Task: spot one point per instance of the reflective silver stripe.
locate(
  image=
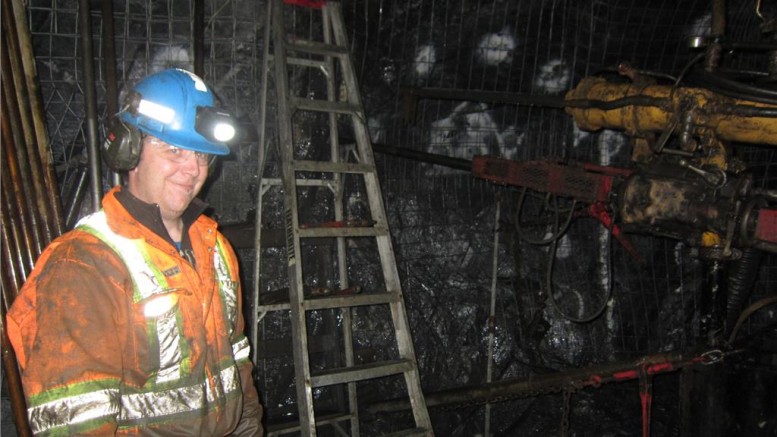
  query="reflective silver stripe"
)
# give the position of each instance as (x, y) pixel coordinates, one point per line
(73, 410)
(169, 348)
(241, 349)
(179, 400)
(227, 286)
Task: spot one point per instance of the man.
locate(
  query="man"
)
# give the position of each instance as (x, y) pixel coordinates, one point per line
(131, 323)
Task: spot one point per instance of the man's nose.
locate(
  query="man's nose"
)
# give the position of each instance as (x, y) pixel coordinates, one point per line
(191, 164)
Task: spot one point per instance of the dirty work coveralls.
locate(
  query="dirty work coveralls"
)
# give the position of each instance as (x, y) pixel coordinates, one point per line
(117, 332)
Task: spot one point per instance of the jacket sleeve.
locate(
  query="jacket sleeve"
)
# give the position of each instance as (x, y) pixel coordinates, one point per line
(64, 327)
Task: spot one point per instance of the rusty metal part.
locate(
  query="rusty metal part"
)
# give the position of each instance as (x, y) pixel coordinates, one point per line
(538, 385)
(651, 109)
(698, 205)
(15, 163)
(17, 10)
(31, 214)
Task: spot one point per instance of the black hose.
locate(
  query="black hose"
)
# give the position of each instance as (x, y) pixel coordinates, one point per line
(732, 88)
(744, 272)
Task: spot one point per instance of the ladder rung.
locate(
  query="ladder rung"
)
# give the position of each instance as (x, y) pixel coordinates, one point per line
(316, 47)
(324, 106)
(310, 63)
(345, 232)
(353, 300)
(288, 428)
(301, 182)
(333, 167)
(272, 307)
(359, 373)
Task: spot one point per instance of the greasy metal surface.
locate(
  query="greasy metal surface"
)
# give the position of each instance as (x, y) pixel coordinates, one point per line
(706, 109)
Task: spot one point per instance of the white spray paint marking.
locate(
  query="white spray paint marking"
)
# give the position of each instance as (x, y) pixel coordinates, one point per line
(610, 143)
(564, 247)
(578, 135)
(702, 26)
(495, 48)
(553, 76)
(468, 131)
(171, 56)
(425, 59)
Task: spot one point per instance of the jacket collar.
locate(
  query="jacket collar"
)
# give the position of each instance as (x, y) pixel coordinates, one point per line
(130, 211)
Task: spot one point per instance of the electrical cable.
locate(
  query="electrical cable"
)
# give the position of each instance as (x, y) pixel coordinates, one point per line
(749, 311)
(734, 89)
(557, 232)
(549, 284)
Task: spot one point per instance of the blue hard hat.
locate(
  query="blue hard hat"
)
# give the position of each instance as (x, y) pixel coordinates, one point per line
(176, 106)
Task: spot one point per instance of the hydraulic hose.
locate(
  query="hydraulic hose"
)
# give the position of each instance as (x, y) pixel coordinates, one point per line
(743, 274)
(732, 88)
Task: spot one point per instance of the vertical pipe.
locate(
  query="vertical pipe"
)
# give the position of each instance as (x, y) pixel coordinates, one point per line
(492, 316)
(109, 66)
(718, 32)
(76, 196)
(17, 116)
(87, 65)
(12, 276)
(198, 37)
(17, 165)
(36, 106)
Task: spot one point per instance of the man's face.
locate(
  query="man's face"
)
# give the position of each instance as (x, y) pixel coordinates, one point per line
(167, 176)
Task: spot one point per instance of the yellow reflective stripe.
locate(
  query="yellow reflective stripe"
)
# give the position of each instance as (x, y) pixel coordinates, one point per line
(73, 410)
(147, 279)
(159, 404)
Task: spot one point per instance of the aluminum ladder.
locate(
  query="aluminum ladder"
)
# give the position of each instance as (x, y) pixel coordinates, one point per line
(326, 57)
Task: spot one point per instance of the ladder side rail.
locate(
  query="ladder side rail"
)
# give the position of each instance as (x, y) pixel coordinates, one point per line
(388, 260)
(339, 202)
(286, 149)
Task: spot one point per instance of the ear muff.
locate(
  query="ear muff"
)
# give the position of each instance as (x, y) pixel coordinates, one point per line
(121, 149)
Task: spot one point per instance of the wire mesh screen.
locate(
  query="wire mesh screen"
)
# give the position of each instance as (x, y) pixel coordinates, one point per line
(444, 222)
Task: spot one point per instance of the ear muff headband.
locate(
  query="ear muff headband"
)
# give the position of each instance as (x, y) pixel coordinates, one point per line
(121, 149)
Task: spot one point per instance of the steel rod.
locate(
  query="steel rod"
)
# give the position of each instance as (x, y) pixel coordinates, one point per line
(55, 216)
(88, 84)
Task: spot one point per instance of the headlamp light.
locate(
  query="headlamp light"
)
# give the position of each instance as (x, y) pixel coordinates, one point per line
(215, 125)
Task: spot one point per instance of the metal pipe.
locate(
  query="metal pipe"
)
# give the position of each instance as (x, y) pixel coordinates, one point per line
(12, 277)
(714, 50)
(55, 222)
(492, 313)
(76, 196)
(198, 36)
(87, 65)
(16, 104)
(417, 155)
(501, 391)
(411, 95)
(14, 382)
(12, 248)
(25, 243)
(18, 168)
(109, 66)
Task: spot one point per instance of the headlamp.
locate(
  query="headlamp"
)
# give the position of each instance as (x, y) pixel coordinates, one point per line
(215, 125)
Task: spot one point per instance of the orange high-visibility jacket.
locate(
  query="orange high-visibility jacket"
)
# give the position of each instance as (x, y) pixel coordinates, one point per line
(117, 333)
